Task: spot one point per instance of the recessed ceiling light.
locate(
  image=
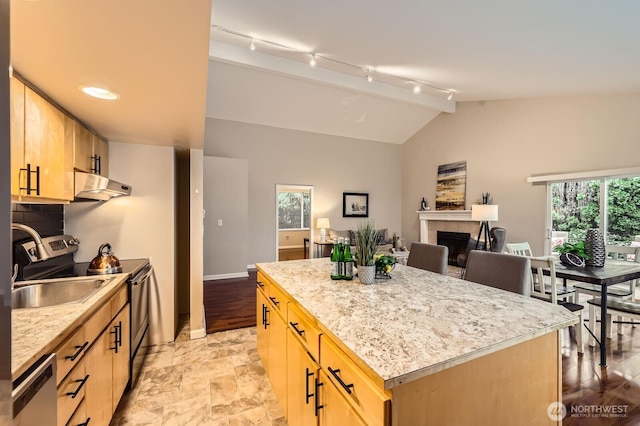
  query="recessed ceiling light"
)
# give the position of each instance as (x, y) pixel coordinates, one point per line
(99, 92)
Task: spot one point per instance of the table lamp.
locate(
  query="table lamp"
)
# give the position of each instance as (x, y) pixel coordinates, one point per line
(323, 224)
(484, 213)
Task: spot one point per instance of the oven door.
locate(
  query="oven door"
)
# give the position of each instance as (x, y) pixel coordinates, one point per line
(139, 286)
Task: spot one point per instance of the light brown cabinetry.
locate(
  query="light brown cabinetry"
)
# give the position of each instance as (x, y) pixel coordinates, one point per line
(90, 152)
(42, 153)
(272, 339)
(93, 365)
(335, 409)
(302, 376)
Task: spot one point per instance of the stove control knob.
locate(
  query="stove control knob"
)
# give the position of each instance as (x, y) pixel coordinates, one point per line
(32, 251)
(73, 242)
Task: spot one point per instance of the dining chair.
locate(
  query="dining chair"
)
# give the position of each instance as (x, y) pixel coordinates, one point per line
(519, 249)
(619, 307)
(524, 249)
(429, 257)
(621, 291)
(546, 289)
(499, 270)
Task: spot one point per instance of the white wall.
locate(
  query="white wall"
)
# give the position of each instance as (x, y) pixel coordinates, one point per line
(331, 164)
(226, 198)
(142, 225)
(196, 232)
(504, 142)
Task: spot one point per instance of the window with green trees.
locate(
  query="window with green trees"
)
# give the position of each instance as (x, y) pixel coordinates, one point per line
(580, 205)
(294, 210)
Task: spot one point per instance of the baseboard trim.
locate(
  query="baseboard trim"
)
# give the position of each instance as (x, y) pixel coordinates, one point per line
(225, 276)
(198, 334)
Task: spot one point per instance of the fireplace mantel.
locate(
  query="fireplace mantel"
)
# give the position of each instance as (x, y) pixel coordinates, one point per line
(446, 215)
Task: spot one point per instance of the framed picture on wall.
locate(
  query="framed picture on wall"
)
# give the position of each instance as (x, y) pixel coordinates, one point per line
(355, 204)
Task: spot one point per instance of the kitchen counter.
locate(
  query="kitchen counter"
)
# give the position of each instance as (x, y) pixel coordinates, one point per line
(38, 331)
(418, 323)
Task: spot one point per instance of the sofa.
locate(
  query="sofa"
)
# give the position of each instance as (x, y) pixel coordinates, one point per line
(382, 235)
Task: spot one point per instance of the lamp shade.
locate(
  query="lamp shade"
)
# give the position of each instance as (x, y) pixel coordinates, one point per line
(323, 223)
(484, 212)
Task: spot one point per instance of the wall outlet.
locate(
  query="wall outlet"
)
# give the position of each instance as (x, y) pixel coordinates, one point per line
(219, 222)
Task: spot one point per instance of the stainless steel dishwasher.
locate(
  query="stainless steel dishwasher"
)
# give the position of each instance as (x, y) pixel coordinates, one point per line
(34, 394)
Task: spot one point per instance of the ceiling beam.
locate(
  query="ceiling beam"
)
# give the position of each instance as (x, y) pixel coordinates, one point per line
(243, 56)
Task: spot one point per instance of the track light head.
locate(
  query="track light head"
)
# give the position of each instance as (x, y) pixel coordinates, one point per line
(450, 95)
(417, 89)
(312, 61)
(253, 45)
(369, 77)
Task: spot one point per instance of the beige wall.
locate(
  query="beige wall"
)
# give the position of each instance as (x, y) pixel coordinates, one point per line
(142, 225)
(331, 164)
(504, 142)
(225, 198)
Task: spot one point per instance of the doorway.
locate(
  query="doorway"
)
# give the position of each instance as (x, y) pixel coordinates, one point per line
(294, 218)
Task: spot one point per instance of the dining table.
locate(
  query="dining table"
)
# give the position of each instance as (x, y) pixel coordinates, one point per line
(613, 272)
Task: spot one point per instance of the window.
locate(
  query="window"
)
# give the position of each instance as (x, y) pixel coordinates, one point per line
(294, 210)
(611, 204)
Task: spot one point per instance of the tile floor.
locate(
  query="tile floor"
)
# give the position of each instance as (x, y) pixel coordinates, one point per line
(218, 380)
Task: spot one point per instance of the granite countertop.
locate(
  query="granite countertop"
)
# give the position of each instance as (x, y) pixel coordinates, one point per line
(38, 331)
(418, 322)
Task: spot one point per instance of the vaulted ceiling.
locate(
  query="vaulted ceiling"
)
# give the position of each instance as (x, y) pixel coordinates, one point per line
(172, 68)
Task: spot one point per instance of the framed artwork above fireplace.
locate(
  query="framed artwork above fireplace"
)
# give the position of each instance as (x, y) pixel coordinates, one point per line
(451, 186)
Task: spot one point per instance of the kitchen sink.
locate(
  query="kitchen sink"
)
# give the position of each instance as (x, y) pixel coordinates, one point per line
(55, 292)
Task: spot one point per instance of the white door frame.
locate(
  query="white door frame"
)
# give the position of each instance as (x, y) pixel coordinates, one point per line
(302, 187)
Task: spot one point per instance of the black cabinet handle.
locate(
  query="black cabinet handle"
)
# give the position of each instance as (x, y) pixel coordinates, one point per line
(260, 285)
(306, 385)
(120, 333)
(346, 387)
(85, 423)
(82, 382)
(78, 352)
(99, 165)
(316, 406)
(28, 188)
(117, 339)
(265, 316)
(94, 159)
(294, 325)
(273, 299)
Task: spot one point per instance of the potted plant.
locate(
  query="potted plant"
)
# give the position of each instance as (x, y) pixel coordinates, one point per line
(572, 254)
(366, 249)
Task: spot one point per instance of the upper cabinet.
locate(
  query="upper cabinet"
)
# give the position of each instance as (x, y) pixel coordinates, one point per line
(91, 153)
(42, 148)
(47, 145)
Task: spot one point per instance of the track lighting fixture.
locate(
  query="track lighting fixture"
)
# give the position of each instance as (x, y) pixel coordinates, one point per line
(418, 85)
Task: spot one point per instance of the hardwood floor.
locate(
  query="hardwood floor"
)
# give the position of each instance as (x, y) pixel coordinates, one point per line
(231, 304)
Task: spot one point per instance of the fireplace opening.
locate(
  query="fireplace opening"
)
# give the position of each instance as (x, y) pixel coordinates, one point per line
(456, 242)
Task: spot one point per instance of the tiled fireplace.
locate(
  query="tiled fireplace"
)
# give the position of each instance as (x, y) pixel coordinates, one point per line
(445, 220)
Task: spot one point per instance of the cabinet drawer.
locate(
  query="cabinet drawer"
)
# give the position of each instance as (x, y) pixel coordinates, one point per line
(278, 299)
(98, 322)
(71, 393)
(304, 330)
(369, 401)
(118, 301)
(70, 353)
(263, 283)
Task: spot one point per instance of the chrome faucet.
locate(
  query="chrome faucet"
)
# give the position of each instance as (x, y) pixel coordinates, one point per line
(41, 252)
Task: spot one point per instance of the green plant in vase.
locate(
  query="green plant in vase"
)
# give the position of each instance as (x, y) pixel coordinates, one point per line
(572, 254)
(366, 248)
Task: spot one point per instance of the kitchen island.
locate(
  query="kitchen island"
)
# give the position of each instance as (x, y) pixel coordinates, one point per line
(420, 348)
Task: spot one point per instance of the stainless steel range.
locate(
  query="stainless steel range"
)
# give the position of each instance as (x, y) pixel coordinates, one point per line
(59, 264)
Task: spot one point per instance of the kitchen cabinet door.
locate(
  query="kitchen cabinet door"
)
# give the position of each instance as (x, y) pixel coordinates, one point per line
(101, 153)
(278, 357)
(45, 147)
(99, 394)
(82, 148)
(262, 328)
(301, 374)
(17, 135)
(121, 324)
(335, 409)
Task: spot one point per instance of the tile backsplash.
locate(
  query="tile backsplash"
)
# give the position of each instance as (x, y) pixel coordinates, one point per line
(46, 219)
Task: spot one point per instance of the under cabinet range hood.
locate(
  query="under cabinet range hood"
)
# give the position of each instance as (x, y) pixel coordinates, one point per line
(96, 187)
